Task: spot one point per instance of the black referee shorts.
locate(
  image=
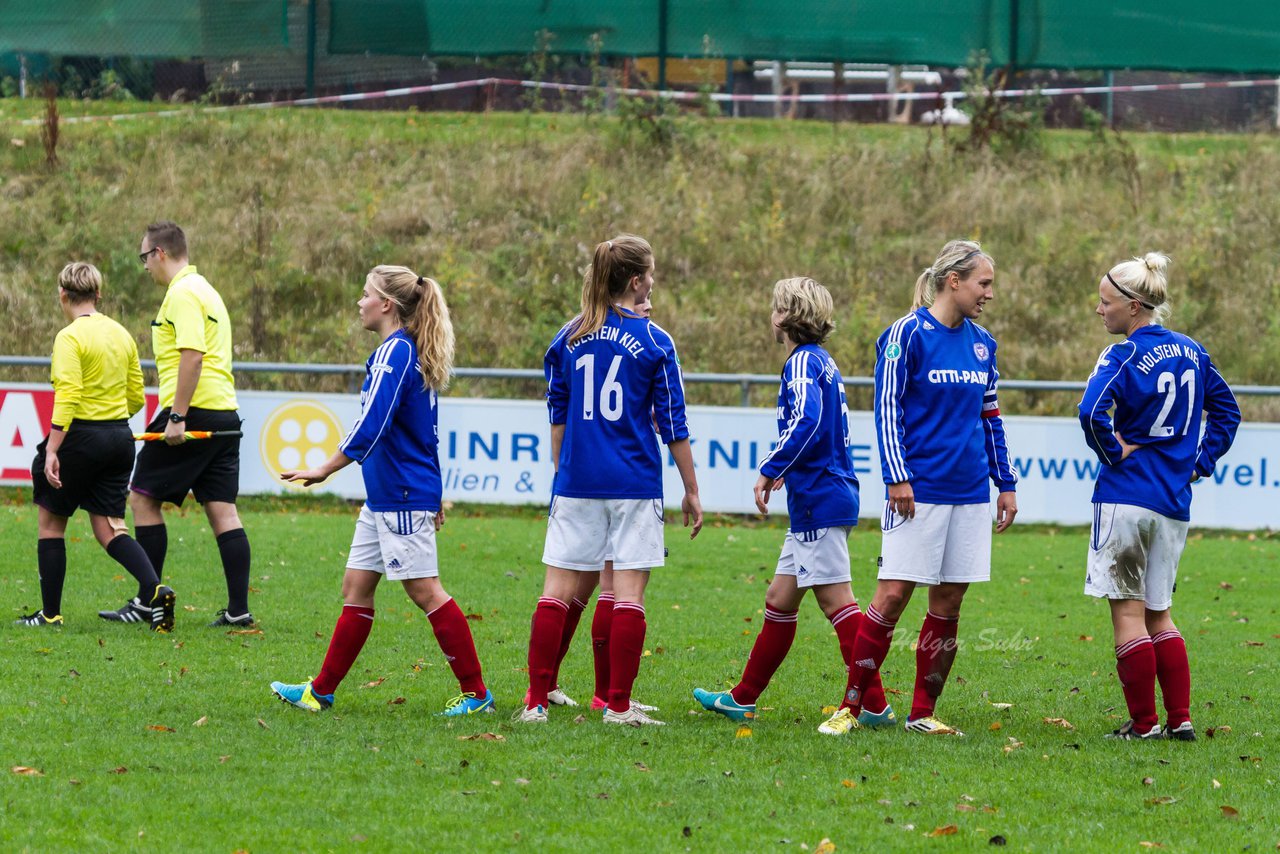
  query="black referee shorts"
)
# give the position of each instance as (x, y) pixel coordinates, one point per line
(207, 468)
(94, 464)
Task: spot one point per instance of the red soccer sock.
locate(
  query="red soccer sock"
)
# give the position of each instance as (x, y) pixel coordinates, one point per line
(847, 621)
(770, 648)
(544, 646)
(571, 618)
(601, 627)
(1174, 674)
(1136, 665)
(935, 653)
(626, 644)
(454, 636)
(349, 635)
(875, 634)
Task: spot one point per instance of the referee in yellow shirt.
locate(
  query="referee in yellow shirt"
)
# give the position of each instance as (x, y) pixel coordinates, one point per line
(86, 458)
(191, 336)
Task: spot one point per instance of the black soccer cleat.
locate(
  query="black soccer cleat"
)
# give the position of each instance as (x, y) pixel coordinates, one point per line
(238, 621)
(1128, 733)
(132, 612)
(1182, 732)
(162, 609)
(39, 619)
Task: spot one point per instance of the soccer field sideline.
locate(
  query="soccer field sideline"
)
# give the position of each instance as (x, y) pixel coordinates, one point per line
(382, 756)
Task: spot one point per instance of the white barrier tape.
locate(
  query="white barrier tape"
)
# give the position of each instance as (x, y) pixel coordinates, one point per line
(718, 97)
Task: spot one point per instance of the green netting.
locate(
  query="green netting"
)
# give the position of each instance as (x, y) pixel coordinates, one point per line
(144, 28)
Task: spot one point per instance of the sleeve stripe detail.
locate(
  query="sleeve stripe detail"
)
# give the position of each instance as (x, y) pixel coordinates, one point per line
(1093, 421)
(666, 377)
(801, 392)
(894, 376)
(380, 367)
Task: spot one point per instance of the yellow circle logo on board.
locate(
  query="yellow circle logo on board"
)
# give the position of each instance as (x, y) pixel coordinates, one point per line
(300, 434)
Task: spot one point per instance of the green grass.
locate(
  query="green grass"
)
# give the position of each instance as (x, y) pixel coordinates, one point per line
(288, 209)
(378, 774)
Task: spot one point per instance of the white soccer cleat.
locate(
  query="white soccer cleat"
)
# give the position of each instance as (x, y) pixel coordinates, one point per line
(557, 697)
(931, 726)
(631, 717)
(536, 715)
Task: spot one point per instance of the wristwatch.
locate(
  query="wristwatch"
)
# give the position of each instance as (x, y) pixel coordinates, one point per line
(177, 418)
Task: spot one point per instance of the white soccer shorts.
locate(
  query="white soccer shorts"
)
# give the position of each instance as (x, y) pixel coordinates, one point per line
(400, 544)
(816, 557)
(943, 544)
(582, 533)
(1134, 554)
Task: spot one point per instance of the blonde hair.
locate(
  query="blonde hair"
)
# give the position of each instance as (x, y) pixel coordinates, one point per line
(424, 315)
(613, 266)
(1144, 280)
(807, 309)
(81, 281)
(960, 256)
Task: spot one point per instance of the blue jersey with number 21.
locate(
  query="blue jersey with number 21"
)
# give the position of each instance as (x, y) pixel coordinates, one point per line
(608, 389)
(1160, 383)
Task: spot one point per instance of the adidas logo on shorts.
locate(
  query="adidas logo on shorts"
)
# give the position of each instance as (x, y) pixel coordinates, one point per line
(394, 563)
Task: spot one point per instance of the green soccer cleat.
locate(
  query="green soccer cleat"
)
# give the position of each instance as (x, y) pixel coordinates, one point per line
(302, 696)
(873, 720)
(39, 619)
(722, 702)
(468, 704)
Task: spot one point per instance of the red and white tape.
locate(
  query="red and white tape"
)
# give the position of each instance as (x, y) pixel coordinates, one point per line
(718, 97)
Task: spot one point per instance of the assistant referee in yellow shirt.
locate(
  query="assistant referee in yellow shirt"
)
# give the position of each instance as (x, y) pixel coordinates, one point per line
(86, 458)
(191, 336)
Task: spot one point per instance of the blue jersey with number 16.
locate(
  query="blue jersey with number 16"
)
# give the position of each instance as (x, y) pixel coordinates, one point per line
(1161, 383)
(608, 389)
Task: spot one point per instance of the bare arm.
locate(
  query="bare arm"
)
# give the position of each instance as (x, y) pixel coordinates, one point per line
(321, 473)
(691, 505)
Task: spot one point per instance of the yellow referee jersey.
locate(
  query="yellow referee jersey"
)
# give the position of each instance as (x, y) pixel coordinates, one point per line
(95, 373)
(193, 317)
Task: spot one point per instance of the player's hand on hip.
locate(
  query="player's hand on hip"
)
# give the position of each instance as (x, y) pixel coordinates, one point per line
(175, 433)
(1006, 509)
(692, 508)
(764, 486)
(307, 477)
(53, 469)
(902, 499)
(1126, 448)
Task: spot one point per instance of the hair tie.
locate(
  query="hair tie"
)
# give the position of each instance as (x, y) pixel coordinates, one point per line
(608, 245)
(1130, 294)
(420, 281)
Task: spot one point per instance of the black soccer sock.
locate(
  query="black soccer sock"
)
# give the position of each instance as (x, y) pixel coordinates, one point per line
(154, 540)
(233, 546)
(51, 558)
(126, 551)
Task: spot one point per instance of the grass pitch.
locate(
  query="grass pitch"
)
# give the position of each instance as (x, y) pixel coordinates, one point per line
(149, 742)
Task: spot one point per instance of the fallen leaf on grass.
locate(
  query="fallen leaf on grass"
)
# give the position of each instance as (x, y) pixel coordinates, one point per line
(640, 766)
(521, 781)
(160, 728)
(898, 691)
(395, 701)
(188, 607)
(1002, 706)
(580, 719)
(73, 781)
(997, 840)
(73, 673)
(602, 796)
(1225, 585)
(120, 770)
(848, 784)
(1062, 722)
(1086, 638)
(204, 719)
(263, 724)
(945, 830)
(24, 771)
(245, 632)
(743, 732)
(1148, 781)
(1229, 812)
(1163, 799)
(966, 808)
(828, 710)
(483, 736)
(476, 617)
(375, 683)
(1253, 643)
(1217, 785)
(1013, 745)
(222, 760)
(1146, 844)
(996, 725)
(826, 846)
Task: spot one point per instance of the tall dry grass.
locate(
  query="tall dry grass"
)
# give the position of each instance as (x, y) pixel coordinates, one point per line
(287, 211)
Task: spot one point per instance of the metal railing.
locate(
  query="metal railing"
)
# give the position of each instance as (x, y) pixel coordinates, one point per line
(744, 381)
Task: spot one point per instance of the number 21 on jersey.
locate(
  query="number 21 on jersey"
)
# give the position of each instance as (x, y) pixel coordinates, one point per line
(611, 393)
(1166, 385)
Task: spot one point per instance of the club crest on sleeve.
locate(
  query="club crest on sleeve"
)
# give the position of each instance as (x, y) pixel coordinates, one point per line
(892, 350)
(980, 350)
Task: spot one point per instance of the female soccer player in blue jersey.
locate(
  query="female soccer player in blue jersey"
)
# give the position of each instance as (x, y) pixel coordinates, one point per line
(395, 441)
(86, 459)
(1161, 385)
(812, 456)
(610, 373)
(941, 439)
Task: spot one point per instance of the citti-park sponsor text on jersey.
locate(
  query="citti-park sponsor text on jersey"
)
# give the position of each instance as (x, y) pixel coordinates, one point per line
(497, 451)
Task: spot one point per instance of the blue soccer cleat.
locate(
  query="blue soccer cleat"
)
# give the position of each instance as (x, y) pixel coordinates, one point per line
(723, 703)
(468, 704)
(873, 720)
(302, 696)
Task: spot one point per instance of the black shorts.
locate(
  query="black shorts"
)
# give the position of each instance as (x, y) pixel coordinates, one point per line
(207, 468)
(94, 464)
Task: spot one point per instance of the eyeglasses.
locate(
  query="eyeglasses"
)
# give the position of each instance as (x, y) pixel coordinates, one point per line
(143, 256)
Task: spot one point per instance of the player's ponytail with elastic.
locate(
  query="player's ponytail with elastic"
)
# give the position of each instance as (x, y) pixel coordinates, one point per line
(424, 315)
(960, 256)
(1145, 281)
(612, 268)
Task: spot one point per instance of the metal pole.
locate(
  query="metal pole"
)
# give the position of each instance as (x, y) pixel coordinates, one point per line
(1111, 99)
(22, 76)
(663, 8)
(311, 48)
